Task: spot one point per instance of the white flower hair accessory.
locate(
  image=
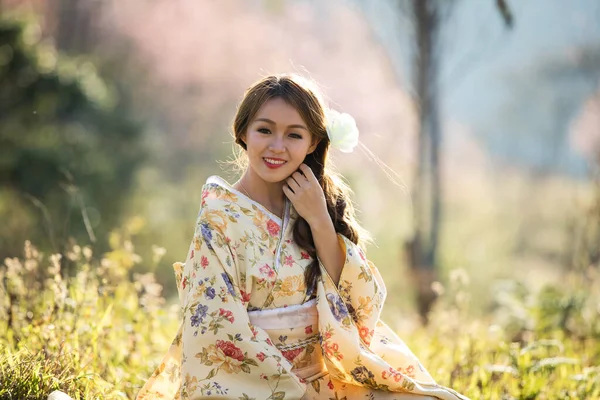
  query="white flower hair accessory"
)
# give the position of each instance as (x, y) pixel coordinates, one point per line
(342, 131)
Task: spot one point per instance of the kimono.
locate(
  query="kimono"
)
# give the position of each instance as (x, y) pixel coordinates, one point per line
(251, 330)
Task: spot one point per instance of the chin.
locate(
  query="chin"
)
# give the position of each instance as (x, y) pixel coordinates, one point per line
(275, 176)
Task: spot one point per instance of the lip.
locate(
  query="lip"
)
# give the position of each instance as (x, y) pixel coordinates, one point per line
(273, 166)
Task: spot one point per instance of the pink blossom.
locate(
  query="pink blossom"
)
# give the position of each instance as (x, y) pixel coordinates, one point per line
(228, 315)
(204, 262)
(289, 261)
(267, 271)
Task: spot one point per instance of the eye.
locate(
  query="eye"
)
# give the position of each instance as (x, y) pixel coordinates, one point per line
(296, 135)
(264, 130)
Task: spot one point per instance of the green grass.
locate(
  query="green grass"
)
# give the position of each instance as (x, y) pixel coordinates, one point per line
(97, 334)
(100, 332)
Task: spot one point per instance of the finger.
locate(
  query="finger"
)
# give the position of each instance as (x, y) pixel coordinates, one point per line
(291, 182)
(308, 173)
(299, 178)
(288, 192)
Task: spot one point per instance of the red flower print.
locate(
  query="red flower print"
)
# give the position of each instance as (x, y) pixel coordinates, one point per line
(330, 385)
(289, 261)
(273, 228)
(305, 255)
(308, 330)
(392, 373)
(263, 376)
(261, 356)
(410, 371)
(267, 271)
(333, 351)
(365, 334)
(245, 296)
(227, 314)
(290, 355)
(230, 350)
(184, 283)
(192, 254)
(204, 262)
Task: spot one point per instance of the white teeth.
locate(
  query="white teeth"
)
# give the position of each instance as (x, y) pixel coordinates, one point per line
(271, 161)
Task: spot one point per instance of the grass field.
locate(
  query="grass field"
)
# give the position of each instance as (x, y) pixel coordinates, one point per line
(100, 332)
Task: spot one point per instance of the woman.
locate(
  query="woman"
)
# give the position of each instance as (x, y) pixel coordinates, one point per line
(278, 299)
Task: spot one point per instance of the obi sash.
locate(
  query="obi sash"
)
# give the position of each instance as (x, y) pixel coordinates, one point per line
(295, 332)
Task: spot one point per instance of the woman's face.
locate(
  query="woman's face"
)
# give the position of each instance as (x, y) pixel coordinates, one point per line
(277, 141)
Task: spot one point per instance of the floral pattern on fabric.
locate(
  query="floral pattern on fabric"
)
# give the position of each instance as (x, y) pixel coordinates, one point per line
(242, 260)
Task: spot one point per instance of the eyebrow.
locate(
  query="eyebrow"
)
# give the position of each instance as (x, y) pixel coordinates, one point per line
(267, 120)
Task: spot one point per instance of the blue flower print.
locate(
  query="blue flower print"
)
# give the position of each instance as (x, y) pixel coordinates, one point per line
(337, 306)
(206, 234)
(218, 389)
(210, 293)
(199, 315)
(228, 283)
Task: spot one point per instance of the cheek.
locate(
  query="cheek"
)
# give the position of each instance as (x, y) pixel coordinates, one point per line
(253, 142)
(300, 150)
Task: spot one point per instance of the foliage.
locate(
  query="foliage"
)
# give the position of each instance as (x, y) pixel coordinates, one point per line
(90, 335)
(534, 345)
(68, 148)
(100, 333)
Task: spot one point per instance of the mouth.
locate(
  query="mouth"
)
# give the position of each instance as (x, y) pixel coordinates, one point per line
(274, 162)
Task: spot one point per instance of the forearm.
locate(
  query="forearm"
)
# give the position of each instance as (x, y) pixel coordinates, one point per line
(328, 247)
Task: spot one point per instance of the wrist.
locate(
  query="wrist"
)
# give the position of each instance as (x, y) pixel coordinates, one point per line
(321, 222)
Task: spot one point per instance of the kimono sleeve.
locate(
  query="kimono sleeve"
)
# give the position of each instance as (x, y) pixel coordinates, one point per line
(357, 347)
(223, 354)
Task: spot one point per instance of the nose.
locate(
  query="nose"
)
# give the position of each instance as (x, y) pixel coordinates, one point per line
(277, 144)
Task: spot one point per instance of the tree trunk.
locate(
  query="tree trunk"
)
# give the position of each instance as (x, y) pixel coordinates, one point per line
(421, 249)
(76, 27)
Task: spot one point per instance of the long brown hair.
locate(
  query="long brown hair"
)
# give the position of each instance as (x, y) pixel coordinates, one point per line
(305, 97)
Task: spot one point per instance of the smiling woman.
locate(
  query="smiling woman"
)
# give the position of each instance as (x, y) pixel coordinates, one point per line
(278, 298)
(276, 142)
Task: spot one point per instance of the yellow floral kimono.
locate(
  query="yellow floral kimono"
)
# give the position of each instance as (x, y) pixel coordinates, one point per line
(250, 330)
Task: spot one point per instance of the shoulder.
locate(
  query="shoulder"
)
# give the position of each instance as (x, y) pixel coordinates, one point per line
(217, 194)
(217, 210)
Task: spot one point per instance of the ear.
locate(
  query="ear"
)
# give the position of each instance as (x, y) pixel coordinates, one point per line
(313, 146)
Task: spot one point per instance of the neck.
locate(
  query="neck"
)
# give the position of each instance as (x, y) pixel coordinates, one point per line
(270, 195)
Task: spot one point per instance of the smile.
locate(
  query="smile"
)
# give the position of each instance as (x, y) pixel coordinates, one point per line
(274, 162)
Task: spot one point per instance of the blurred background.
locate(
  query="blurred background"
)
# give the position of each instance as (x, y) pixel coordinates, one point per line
(482, 118)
